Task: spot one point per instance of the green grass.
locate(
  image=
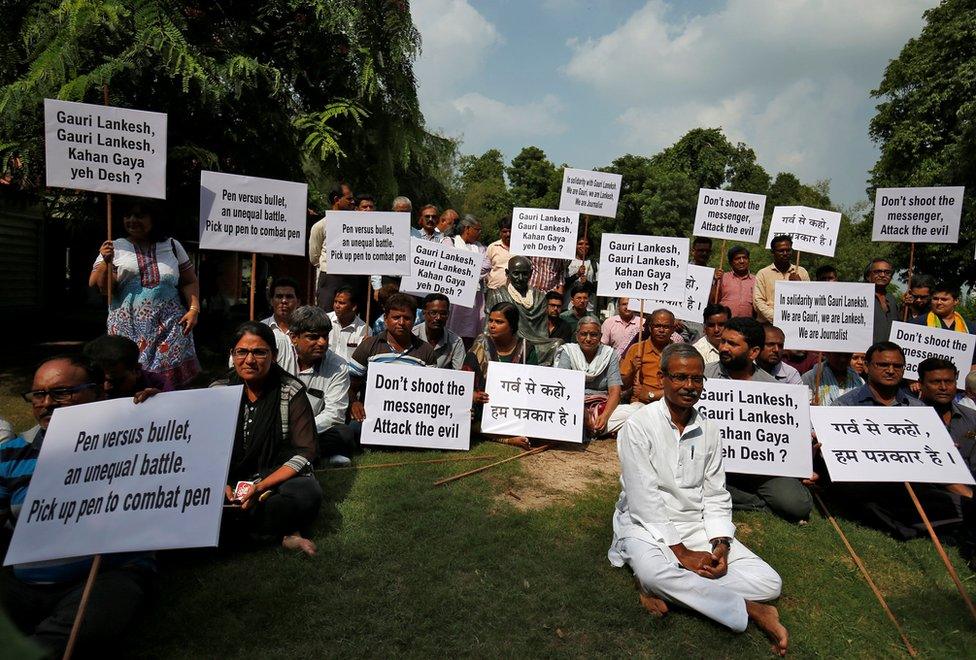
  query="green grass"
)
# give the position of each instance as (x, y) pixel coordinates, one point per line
(407, 569)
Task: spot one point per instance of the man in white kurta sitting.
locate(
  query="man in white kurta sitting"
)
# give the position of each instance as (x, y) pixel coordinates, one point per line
(673, 521)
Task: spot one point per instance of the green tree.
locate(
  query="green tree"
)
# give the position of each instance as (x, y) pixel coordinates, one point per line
(482, 189)
(534, 180)
(925, 126)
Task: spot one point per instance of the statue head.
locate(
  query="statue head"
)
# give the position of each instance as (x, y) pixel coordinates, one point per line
(519, 271)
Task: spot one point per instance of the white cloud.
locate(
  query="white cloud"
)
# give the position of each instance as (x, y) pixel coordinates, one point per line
(456, 41)
(487, 119)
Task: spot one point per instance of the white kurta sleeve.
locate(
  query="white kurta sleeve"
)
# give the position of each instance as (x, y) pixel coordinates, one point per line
(716, 501)
(644, 501)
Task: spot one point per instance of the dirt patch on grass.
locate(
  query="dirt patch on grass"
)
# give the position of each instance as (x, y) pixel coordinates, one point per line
(555, 476)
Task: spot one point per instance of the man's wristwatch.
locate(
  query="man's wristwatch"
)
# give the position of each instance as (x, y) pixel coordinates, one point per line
(722, 540)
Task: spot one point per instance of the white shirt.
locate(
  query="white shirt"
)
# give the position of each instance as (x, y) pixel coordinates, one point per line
(317, 254)
(672, 484)
(449, 350)
(343, 341)
(287, 359)
(327, 387)
(708, 352)
(966, 402)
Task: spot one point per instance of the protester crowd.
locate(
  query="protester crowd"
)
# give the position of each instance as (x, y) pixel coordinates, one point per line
(304, 372)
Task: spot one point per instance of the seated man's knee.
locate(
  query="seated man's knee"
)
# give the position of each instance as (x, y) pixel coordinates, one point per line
(787, 497)
(768, 583)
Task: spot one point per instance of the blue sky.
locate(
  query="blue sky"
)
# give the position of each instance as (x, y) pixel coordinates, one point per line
(590, 80)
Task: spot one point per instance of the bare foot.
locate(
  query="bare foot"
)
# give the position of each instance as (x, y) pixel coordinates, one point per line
(298, 542)
(767, 618)
(657, 607)
(517, 441)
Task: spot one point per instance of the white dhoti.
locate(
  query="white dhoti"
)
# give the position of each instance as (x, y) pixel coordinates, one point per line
(721, 599)
(621, 414)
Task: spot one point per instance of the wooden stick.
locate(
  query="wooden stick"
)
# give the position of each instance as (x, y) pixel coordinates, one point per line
(911, 270)
(941, 551)
(537, 450)
(640, 342)
(867, 576)
(108, 218)
(80, 614)
(254, 280)
(797, 258)
(369, 300)
(405, 463)
(586, 227)
(721, 263)
(816, 380)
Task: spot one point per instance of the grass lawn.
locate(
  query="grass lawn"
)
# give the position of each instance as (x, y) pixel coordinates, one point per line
(407, 569)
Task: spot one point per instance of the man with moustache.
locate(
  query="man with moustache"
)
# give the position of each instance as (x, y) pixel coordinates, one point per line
(558, 327)
(448, 347)
(770, 358)
(426, 229)
(284, 301)
(715, 316)
(673, 521)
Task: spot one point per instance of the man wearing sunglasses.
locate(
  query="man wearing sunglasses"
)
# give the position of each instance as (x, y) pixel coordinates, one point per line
(673, 521)
(42, 599)
(426, 229)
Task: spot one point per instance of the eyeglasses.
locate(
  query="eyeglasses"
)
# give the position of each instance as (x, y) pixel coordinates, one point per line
(884, 366)
(285, 296)
(313, 336)
(591, 335)
(882, 271)
(679, 379)
(58, 394)
(430, 217)
(258, 353)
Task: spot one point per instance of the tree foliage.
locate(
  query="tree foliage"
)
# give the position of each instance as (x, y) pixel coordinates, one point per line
(925, 126)
(534, 180)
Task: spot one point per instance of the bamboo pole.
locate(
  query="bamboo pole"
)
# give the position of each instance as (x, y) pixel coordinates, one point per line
(108, 219)
(640, 351)
(911, 271)
(941, 551)
(406, 463)
(537, 450)
(369, 300)
(721, 263)
(254, 281)
(816, 380)
(798, 258)
(82, 606)
(867, 576)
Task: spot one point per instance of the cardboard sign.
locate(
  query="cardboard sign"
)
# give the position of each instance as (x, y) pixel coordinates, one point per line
(367, 243)
(537, 402)
(408, 406)
(437, 268)
(692, 306)
(105, 149)
(114, 476)
(251, 214)
(764, 428)
(544, 233)
(917, 215)
(593, 193)
(813, 230)
(633, 266)
(825, 316)
(920, 342)
(874, 443)
(729, 215)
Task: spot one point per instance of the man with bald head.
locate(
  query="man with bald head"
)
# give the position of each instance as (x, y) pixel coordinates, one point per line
(640, 367)
(42, 599)
(531, 305)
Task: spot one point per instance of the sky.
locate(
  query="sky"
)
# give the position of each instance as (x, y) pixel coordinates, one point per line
(590, 80)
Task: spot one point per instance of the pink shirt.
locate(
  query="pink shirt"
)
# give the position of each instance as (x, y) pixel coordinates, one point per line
(619, 334)
(737, 293)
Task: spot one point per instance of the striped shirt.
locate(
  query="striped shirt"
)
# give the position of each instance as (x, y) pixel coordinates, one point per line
(548, 273)
(376, 349)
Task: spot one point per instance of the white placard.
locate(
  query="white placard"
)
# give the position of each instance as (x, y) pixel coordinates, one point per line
(825, 316)
(544, 233)
(437, 268)
(899, 443)
(920, 342)
(813, 230)
(633, 266)
(593, 193)
(105, 149)
(367, 242)
(698, 283)
(537, 402)
(409, 406)
(114, 476)
(251, 214)
(764, 428)
(917, 215)
(729, 215)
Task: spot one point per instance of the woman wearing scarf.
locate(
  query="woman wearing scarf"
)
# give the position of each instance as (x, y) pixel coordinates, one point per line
(602, 386)
(943, 314)
(274, 445)
(499, 344)
(467, 322)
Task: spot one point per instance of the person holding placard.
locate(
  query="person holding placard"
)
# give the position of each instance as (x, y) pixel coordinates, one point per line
(831, 379)
(42, 598)
(531, 305)
(499, 343)
(825, 273)
(448, 347)
(736, 285)
(879, 273)
(582, 270)
(787, 497)
(770, 357)
(548, 274)
(917, 301)
(326, 285)
(467, 322)
(558, 327)
(782, 268)
(498, 254)
(673, 521)
(326, 379)
(396, 343)
(274, 446)
(641, 367)
(715, 317)
(603, 384)
(149, 272)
